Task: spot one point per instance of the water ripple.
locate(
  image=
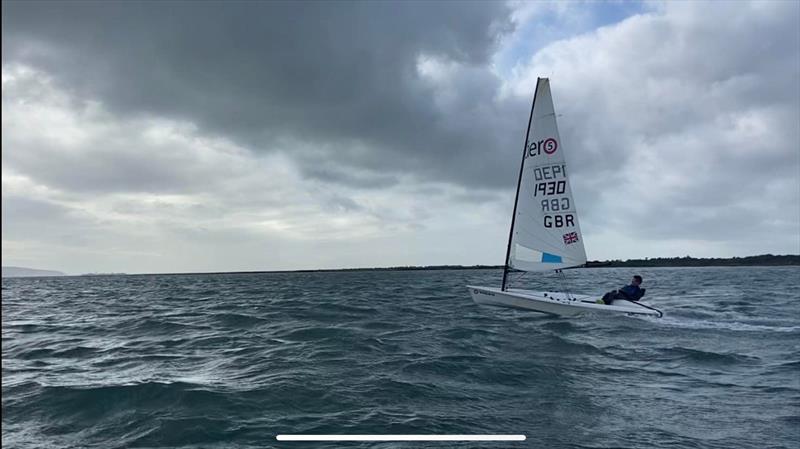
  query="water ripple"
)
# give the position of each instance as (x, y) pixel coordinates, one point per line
(231, 360)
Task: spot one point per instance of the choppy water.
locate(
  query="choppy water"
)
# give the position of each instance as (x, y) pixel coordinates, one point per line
(234, 360)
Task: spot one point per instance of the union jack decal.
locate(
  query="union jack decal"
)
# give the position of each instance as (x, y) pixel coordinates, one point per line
(570, 237)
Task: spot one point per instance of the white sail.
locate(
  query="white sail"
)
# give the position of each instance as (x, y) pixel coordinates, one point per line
(545, 234)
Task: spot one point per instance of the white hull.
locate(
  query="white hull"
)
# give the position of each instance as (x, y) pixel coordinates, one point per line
(553, 303)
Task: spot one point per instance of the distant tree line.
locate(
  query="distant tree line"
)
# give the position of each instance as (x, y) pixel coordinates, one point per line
(421, 267)
(687, 261)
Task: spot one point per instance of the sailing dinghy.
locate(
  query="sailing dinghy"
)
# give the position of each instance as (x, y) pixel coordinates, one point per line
(545, 234)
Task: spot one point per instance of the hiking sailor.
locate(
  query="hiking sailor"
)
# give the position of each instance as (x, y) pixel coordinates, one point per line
(630, 292)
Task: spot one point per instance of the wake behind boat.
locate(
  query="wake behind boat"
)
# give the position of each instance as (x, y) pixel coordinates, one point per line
(545, 233)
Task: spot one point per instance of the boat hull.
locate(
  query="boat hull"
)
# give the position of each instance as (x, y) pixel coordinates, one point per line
(553, 303)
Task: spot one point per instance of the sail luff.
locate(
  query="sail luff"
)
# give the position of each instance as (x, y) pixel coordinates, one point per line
(519, 182)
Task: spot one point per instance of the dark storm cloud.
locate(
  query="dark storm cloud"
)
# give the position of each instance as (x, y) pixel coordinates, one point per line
(335, 75)
(322, 134)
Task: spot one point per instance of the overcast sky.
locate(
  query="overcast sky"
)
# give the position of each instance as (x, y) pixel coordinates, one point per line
(200, 136)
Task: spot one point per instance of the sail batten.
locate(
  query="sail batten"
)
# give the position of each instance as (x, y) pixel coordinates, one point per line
(545, 232)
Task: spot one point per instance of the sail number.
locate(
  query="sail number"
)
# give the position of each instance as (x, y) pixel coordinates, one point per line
(550, 188)
(552, 180)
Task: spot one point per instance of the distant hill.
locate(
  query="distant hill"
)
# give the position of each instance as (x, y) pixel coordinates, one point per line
(20, 272)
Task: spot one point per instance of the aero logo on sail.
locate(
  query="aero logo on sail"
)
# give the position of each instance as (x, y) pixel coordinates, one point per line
(549, 146)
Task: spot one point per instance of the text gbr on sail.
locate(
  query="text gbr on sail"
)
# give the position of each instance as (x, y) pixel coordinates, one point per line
(559, 221)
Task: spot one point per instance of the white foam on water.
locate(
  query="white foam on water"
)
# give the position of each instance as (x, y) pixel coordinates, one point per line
(727, 325)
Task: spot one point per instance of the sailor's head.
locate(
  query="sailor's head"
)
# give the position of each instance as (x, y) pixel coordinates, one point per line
(637, 280)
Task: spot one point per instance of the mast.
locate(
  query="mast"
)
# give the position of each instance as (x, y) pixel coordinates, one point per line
(519, 182)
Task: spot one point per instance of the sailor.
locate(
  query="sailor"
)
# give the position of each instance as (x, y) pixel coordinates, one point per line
(630, 292)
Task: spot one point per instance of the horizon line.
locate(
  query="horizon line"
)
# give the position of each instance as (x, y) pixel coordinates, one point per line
(394, 268)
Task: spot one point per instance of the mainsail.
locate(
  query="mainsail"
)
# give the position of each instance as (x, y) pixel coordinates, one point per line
(545, 233)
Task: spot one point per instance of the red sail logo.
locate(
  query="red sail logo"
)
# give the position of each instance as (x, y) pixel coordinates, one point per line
(548, 146)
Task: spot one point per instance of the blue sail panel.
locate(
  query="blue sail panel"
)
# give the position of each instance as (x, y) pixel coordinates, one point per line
(550, 258)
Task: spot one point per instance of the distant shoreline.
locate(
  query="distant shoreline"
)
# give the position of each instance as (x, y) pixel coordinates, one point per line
(766, 260)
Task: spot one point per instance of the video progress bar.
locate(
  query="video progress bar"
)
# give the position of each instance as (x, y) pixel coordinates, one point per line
(400, 437)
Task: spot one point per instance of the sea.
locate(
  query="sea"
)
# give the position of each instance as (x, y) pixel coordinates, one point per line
(234, 360)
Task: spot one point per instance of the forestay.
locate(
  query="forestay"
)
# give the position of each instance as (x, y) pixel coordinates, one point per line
(545, 234)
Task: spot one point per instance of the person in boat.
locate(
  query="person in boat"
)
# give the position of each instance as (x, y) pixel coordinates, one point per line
(632, 292)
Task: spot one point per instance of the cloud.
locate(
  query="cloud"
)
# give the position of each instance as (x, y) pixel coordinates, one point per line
(301, 135)
(684, 127)
(337, 77)
(96, 192)
(78, 146)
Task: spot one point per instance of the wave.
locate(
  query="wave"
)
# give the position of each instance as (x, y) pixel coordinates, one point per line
(689, 323)
(123, 415)
(238, 320)
(790, 367)
(317, 333)
(701, 356)
(240, 358)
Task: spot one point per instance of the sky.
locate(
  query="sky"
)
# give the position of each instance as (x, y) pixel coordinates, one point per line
(147, 137)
